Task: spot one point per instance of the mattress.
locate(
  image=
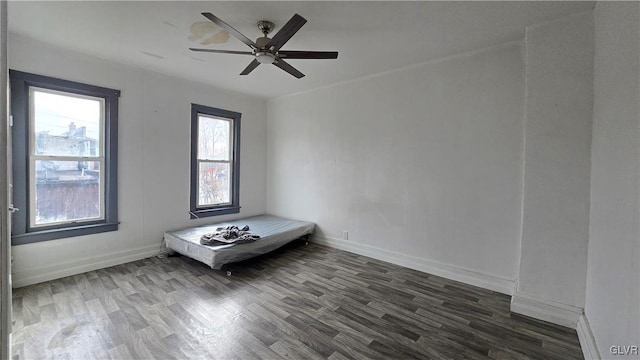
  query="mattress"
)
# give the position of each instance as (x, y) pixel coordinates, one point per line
(274, 232)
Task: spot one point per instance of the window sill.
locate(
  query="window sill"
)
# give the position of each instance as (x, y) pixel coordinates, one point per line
(197, 214)
(45, 235)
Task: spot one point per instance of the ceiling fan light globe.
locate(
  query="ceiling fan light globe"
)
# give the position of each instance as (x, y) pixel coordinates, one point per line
(265, 58)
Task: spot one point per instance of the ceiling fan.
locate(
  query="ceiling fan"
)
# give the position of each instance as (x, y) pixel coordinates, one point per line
(267, 50)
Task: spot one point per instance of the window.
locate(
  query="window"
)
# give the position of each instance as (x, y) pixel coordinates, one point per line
(64, 158)
(215, 161)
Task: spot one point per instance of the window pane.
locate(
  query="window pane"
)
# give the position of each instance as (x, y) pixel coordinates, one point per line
(213, 138)
(66, 191)
(213, 183)
(66, 125)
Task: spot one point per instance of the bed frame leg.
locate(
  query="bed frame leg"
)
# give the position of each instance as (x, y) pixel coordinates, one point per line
(305, 238)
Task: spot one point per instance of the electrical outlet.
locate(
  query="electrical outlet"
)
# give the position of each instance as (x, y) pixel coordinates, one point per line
(345, 235)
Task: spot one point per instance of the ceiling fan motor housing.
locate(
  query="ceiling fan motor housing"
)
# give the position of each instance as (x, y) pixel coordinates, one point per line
(262, 42)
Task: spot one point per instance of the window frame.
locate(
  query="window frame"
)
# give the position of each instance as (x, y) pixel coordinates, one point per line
(233, 207)
(21, 108)
(33, 157)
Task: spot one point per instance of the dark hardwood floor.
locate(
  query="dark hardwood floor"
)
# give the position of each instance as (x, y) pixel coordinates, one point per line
(300, 302)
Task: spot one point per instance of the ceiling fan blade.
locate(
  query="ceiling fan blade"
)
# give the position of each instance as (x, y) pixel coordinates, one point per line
(230, 29)
(287, 31)
(309, 54)
(252, 65)
(288, 68)
(223, 51)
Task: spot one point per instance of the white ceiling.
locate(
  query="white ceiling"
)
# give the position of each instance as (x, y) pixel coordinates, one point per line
(371, 37)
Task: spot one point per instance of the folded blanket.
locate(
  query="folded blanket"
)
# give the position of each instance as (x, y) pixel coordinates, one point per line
(229, 235)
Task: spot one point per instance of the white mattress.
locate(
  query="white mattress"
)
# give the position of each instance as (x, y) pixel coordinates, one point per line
(274, 232)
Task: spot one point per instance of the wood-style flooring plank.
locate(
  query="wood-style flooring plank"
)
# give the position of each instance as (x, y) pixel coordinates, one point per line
(299, 302)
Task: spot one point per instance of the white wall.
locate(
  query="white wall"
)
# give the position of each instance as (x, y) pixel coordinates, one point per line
(559, 87)
(153, 151)
(422, 166)
(613, 277)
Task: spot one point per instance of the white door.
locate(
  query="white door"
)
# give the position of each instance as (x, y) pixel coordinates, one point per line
(5, 195)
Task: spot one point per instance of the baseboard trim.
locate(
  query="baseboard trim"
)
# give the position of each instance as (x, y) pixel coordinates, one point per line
(34, 275)
(546, 310)
(587, 340)
(451, 272)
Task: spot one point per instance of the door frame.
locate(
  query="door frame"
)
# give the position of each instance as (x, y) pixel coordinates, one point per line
(5, 195)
